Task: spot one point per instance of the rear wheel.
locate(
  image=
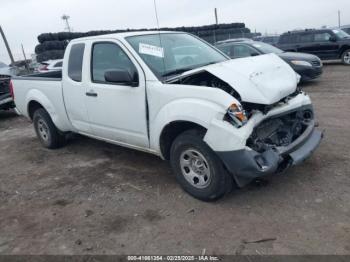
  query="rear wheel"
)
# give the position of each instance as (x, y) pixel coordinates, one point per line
(346, 57)
(46, 130)
(197, 168)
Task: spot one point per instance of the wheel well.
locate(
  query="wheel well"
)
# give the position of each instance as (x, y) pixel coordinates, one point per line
(32, 107)
(343, 49)
(171, 131)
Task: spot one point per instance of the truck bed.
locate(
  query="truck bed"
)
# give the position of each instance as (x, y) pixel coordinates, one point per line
(45, 89)
(53, 76)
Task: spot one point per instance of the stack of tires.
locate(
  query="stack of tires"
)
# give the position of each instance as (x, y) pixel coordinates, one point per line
(52, 45)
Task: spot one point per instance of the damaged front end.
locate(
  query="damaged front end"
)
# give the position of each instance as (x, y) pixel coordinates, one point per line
(274, 145)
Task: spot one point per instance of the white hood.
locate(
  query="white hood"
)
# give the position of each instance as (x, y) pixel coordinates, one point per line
(264, 79)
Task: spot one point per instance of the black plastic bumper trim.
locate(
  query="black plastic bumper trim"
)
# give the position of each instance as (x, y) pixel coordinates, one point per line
(246, 165)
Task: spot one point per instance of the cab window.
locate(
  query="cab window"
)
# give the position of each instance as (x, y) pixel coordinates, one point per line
(75, 63)
(306, 38)
(239, 51)
(109, 57)
(226, 49)
(322, 37)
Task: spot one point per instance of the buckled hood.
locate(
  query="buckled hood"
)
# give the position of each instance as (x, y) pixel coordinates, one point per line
(264, 79)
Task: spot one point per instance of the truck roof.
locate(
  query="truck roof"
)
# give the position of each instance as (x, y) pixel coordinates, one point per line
(126, 34)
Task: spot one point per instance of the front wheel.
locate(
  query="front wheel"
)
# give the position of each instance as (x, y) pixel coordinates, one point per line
(197, 168)
(46, 130)
(346, 57)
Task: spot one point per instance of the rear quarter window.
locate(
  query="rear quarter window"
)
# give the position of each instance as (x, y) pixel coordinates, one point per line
(75, 63)
(289, 39)
(307, 38)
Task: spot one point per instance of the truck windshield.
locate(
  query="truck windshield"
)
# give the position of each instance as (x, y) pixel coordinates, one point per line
(170, 54)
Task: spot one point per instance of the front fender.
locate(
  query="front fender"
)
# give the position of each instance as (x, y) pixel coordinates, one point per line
(197, 111)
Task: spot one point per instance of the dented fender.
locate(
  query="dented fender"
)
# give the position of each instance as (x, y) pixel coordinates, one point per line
(39, 97)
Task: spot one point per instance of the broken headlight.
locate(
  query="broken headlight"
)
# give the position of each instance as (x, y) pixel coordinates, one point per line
(236, 115)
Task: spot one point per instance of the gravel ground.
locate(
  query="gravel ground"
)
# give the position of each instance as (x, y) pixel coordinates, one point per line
(93, 198)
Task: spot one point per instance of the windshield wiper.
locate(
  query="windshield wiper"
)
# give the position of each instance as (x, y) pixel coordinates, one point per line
(185, 69)
(177, 71)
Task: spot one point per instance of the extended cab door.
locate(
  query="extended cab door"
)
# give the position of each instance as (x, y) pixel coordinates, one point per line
(117, 111)
(74, 88)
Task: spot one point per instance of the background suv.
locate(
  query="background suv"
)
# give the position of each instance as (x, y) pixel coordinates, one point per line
(306, 65)
(327, 44)
(271, 39)
(346, 28)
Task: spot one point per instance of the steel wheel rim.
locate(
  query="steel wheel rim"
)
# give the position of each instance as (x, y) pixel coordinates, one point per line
(43, 130)
(347, 58)
(195, 168)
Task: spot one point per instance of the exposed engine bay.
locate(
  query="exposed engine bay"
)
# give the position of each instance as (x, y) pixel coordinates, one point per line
(205, 78)
(280, 131)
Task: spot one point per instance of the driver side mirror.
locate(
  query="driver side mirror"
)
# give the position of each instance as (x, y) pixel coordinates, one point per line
(120, 76)
(333, 39)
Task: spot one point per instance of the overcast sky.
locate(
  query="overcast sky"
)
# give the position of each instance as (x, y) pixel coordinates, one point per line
(24, 20)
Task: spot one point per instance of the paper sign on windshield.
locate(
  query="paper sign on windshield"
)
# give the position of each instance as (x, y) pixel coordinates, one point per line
(151, 50)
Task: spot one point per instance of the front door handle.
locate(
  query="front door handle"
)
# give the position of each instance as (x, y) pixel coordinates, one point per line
(91, 93)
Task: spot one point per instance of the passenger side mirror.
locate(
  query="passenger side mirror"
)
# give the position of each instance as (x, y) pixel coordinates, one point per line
(120, 76)
(333, 39)
(255, 54)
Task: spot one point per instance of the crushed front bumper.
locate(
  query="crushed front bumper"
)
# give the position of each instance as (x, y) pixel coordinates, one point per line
(246, 164)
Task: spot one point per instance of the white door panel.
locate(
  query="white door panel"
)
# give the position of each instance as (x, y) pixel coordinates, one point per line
(116, 112)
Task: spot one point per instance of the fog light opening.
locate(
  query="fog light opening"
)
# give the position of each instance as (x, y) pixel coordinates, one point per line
(307, 115)
(260, 161)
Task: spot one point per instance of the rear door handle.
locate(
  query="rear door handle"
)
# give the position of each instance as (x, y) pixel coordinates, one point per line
(91, 93)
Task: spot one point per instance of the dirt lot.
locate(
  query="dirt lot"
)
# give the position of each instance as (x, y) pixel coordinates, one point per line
(95, 198)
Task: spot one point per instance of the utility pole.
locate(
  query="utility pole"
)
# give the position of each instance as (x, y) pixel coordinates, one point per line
(25, 58)
(7, 46)
(339, 22)
(66, 18)
(216, 16)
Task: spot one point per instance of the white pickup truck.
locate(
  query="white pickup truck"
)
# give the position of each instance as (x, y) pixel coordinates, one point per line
(220, 122)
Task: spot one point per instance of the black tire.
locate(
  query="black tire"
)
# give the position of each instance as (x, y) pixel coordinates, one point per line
(50, 137)
(219, 181)
(50, 55)
(50, 45)
(345, 57)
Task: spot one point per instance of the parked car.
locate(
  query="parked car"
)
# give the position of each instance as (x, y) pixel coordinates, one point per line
(6, 100)
(346, 29)
(51, 65)
(327, 44)
(218, 121)
(306, 65)
(272, 39)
